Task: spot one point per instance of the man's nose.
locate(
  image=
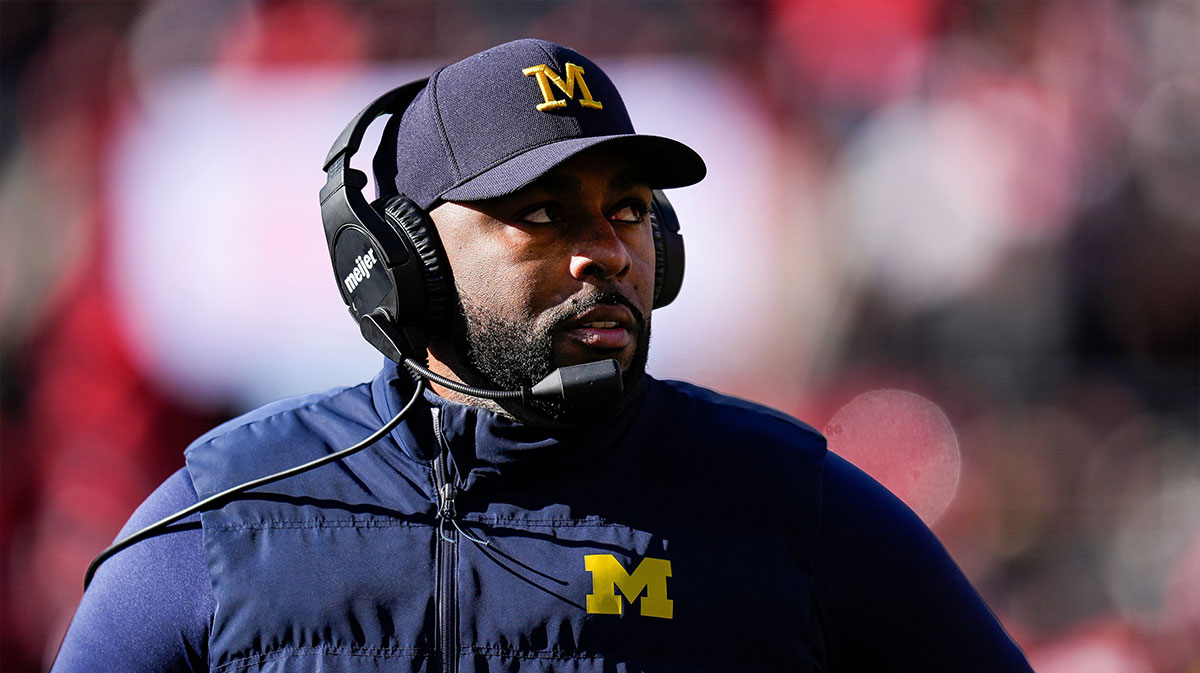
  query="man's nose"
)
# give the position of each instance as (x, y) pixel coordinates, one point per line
(600, 254)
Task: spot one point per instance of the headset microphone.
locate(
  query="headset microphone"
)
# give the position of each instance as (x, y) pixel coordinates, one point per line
(590, 381)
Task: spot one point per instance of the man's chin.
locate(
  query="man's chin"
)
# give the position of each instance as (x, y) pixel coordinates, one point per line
(494, 353)
(567, 354)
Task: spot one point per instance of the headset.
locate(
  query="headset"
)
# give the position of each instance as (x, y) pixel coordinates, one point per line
(393, 276)
(388, 261)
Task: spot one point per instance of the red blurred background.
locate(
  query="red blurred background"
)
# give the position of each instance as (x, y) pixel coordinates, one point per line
(989, 209)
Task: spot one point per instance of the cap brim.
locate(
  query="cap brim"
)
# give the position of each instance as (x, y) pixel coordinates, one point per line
(667, 163)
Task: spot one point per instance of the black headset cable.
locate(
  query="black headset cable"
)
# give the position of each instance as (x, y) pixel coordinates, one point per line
(224, 497)
(424, 373)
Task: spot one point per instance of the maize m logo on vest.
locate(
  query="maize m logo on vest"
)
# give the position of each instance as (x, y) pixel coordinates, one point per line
(546, 76)
(362, 270)
(609, 577)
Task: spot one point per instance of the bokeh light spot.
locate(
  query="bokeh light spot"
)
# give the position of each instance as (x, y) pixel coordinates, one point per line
(905, 442)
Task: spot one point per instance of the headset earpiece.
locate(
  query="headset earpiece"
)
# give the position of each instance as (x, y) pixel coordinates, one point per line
(411, 222)
(389, 265)
(668, 250)
(379, 269)
(377, 274)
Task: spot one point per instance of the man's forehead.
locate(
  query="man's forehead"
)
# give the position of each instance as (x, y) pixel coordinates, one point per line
(616, 169)
(570, 179)
(617, 172)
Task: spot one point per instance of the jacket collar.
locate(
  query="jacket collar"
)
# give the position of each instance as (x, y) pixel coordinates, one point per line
(484, 446)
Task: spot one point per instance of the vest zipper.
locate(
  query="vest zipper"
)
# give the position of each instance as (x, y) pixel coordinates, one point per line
(446, 634)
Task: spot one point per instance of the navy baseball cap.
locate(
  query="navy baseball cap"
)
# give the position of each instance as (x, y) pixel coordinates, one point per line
(496, 121)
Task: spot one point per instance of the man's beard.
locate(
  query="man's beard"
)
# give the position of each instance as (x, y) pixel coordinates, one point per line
(512, 355)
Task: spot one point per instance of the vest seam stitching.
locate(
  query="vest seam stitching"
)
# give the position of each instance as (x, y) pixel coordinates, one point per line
(263, 657)
(384, 523)
(493, 651)
(327, 523)
(562, 523)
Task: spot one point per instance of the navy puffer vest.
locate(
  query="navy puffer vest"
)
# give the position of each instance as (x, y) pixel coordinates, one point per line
(677, 537)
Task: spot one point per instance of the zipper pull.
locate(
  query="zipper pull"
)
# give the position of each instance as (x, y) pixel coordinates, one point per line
(446, 491)
(446, 502)
(446, 510)
(446, 513)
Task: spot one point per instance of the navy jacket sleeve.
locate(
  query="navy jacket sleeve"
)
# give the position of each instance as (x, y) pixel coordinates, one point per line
(149, 607)
(887, 594)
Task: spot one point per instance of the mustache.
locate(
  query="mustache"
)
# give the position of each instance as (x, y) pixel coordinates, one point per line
(578, 305)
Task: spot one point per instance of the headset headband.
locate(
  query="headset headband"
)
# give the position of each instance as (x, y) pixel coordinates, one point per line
(394, 101)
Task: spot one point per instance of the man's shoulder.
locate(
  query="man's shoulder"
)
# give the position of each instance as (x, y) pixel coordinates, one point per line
(710, 411)
(285, 413)
(281, 434)
(725, 447)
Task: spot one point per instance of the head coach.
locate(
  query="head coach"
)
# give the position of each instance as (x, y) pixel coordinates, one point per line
(512, 492)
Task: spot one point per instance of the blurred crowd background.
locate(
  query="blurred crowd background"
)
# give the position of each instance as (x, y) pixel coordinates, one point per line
(961, 235)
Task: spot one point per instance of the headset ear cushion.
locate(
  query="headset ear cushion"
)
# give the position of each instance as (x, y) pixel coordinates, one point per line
(668, 250)
(412, 222)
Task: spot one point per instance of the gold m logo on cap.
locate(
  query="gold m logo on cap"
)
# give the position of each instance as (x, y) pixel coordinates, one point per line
(545, 76)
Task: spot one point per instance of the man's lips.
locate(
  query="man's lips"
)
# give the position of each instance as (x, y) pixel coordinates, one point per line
(605, 327)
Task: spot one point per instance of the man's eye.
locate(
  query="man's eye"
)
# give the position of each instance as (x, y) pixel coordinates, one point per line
(541, 215)
(632, 214)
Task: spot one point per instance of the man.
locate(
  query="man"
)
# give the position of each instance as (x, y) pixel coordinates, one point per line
(618, 523)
